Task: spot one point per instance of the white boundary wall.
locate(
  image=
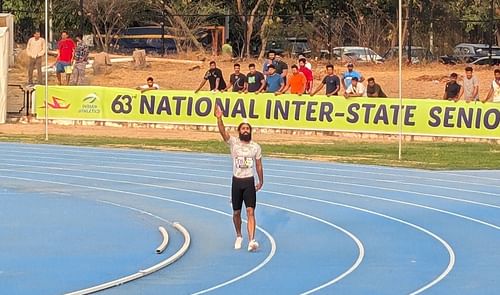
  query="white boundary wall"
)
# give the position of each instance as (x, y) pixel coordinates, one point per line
(7, 20)
(4, 71)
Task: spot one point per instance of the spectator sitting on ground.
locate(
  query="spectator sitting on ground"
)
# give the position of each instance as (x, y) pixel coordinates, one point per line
(296, 82)
(471, 86)
(307, 64)
(374, 89)
(494, 93)
(274, 81)
(256, 82)
(237, 80)
(349, 74)
(214, 77)
(453, 90)
(331, 81)
(149, 86)
(356, 89)
(308, 73)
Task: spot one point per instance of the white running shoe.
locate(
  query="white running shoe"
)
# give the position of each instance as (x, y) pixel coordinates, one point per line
(237, 243)
(253, 246)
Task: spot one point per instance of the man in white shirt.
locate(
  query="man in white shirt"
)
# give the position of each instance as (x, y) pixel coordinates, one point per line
(494, 93)
(247, 156)
(471, 86)
(35, 50)
(151, 85)
(356, 89)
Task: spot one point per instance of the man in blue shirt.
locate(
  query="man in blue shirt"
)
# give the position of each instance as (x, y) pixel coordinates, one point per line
(348, 75)
(274, 81)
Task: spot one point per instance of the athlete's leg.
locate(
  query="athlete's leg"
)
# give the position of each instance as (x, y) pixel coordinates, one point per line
(237, 222)
(251, 223)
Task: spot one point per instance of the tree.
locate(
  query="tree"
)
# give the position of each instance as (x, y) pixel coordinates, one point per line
(110, 17)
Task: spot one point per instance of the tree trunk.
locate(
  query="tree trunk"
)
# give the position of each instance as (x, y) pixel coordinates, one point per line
(263, 28)
(184, 27)
(249, 23)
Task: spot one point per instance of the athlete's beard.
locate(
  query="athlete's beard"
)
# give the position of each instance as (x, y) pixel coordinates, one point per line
(246, 136)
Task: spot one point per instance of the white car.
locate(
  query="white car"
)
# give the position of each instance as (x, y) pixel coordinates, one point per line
(356, 53)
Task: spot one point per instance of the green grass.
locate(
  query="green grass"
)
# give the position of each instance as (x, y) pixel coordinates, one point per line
(433, 155)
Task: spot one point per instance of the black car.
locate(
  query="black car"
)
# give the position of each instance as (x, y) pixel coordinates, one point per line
(418, 54)
(468, 53)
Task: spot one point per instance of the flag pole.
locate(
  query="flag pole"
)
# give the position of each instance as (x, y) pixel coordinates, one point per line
(400, 37)
(46, 71)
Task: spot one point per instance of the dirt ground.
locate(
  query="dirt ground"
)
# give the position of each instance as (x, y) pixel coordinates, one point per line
(425, 81)
(419, 81)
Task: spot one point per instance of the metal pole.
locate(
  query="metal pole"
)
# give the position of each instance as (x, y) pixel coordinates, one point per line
(400, 49)
(410, 8)
(81, 17)
(243, 53)
(46, 71)
(492, 16)
(162, 24)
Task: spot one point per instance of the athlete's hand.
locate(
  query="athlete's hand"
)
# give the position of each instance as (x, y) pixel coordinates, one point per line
(258, 186)
(218, 112)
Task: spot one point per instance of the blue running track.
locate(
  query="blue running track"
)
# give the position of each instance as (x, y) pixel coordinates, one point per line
(73, 217)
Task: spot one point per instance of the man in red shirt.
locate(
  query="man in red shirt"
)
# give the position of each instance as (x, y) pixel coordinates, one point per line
(308, 73)
(65, 52)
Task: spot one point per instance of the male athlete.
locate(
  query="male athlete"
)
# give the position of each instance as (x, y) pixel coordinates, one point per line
(245, 154)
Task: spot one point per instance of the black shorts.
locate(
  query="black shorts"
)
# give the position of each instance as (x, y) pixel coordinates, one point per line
(243, 190)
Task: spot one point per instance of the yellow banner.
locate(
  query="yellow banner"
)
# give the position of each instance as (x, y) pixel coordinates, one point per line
(373, 115)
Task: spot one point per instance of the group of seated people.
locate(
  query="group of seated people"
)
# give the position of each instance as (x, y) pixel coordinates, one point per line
(469, 89)
(276, 79)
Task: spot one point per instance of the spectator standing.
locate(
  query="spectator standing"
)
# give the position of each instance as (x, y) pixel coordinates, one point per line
(471, 86)
(255, 80)
(271, 55)
(307, 64)
(227, 50)
(373, 89)
(80, 59)
(356, 89)
(331, 81)
(453, 90)
(281, 67)
(65, 53)
(296, 82)
(349, 74)
(494, 93)
(214, 77)
(308, 73)
(237, 80)
(150, 85)
(35, 50)
(274, 81)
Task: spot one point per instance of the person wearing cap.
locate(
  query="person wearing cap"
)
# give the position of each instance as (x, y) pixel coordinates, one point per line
(349, 74)
(307, 64)
(356, 89)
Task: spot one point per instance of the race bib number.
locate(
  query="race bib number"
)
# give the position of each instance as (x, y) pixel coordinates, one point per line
(243, 162)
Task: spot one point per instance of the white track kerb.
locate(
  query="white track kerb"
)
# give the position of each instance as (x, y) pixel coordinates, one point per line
(164, 243)
(145, 272)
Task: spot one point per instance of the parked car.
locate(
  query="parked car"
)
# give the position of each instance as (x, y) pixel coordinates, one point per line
(148, 38)
(467, 53)
(357, 54)
(288, 46)
(485, 60)
(418, 54)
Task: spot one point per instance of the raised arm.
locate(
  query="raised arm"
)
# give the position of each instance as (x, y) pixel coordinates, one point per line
(220, 124)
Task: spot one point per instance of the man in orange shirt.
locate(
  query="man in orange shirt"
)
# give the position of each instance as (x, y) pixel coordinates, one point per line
(296, 83)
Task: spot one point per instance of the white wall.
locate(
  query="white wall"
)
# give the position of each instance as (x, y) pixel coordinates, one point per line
(9, 23)
(4, 71)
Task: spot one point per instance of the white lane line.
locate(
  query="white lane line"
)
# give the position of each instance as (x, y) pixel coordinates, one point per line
(182, 163)
(269, 176)
(282, 184)
(273, 244)
(299, 168)
(440, 277)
